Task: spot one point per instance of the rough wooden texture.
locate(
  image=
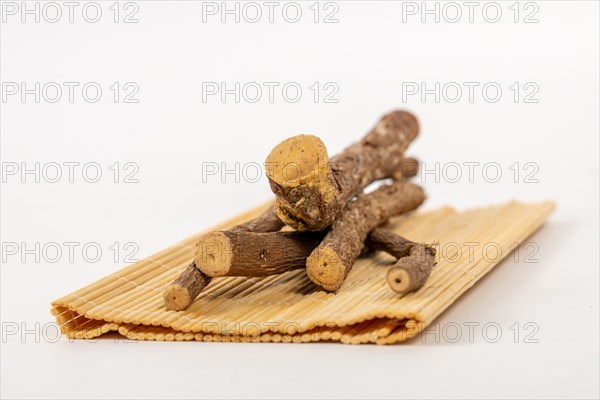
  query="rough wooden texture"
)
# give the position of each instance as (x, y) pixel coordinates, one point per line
(300, 176)
(180, 294)
(288, 307)
(312, 190)
(238, 253)
(241, 253)
(328, 264)
(250, 254)
(414, 260)
(411, 272)
(183, 290)
(385, 240)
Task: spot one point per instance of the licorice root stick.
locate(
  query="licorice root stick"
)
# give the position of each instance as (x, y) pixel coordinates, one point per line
(183, 290)
(312, 190)
(329, 264)
(411, 272)
(252, 254)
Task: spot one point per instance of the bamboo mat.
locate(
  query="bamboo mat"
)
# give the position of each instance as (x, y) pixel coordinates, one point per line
(288, 307)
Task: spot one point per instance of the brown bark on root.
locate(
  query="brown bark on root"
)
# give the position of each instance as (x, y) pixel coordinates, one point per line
(330, 262)
(183, 290)
(312, 190)
(237, 253)
(262, 254)
(414, 260)
(411, 272)
(382, 239)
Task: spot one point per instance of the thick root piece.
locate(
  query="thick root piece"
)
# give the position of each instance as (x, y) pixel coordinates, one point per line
(330, 262)
(184, 290)
(254, 254)
(299, 174)
(312, 190)
(239, 253)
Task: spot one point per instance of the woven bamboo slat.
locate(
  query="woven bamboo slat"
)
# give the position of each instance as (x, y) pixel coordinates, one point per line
(288, 307)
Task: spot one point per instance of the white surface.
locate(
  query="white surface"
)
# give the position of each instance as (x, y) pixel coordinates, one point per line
(171, 131)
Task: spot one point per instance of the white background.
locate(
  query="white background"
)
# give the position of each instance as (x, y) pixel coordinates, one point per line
(372, 55)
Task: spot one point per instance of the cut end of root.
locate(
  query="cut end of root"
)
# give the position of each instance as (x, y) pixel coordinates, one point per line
(176, 297)
(325, 268)
(297, 160)
(213, 254)
(399, 280)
